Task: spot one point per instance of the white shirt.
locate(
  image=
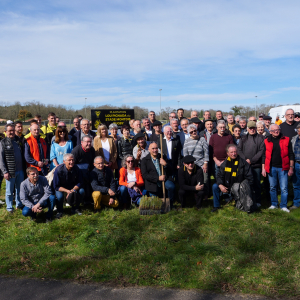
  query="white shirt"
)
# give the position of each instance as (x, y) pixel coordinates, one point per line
(149, 132)
(131, 177)
(169, 148)
(106, 148)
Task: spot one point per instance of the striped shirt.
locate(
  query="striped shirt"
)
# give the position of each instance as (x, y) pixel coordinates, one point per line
(198, 149)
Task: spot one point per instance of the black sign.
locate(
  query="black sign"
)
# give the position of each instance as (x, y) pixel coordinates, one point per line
(107, 116)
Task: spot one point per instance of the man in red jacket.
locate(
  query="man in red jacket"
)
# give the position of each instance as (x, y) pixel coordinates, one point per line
(278, 162)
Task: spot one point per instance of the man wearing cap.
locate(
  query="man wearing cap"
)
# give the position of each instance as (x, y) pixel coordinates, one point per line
(141, 148)
(191, 181)
(251, 148)
(288, 128)
(297, 117)
(261, 117)
(267, 121)
(278, 162)
(155, 137)
(198, 123)
(278, 121)
(233, 170)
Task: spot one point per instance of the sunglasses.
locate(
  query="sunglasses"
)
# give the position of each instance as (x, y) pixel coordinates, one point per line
(130, 161)
(193, 131)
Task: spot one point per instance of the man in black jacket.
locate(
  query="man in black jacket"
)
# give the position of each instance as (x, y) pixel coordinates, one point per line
(251, 148)
(288, 128)
(191, 181)
(85, 131)
(234, 169)
(151, 171)
(103, 185)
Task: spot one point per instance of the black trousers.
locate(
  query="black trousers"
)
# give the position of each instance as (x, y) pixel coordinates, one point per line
(183, 195)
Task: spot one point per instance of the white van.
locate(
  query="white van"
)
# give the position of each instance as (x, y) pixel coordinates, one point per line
(280, 111)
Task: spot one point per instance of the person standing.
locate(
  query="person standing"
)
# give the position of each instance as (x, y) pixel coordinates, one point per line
(151, 117)
(230, 122)
(288, 128)
(278, 163)
(49, 129)
(183, 134)
(11, 165)
(85, 131)
(155, 137)
(147, 127)
(76, 123)
(236, 133)
(243, 125)
(278, 121)
(19, 132)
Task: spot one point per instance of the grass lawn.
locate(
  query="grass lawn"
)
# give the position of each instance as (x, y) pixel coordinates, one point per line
(226, 251)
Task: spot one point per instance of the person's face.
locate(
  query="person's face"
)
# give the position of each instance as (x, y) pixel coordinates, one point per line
(39, 120)
(10, 132)
(289, 115)
(157, 128)
(141, 141)
(57, 119)
(61, 133)
(52, 120)
(230, 119)
(193, 132)
(297, 118)
(180, 114)
(137, 125)
(174, 126)
(232, 153)
(114, 131)
(260, 118)
(237, 132)
(131, 123)
(146, 124)
(172, 116)
(168, 133)
(99, 163)
(243, 124)
(130, 162)
(251, 130)
(69, 162)
(76, 123)
(151, 116)
(184, 125)
(267, 122)
(33, 176)
(209, 126)
(126, 133)
(221, 128)
(194, 114)
(260, 129)
(275, 131)
(153, 149)
(219, 115)
(189, 166)
(86, 144)
(85, 126)
(252, 119)
(103, 132)
(19, 128)
(35, 130)
(207, 115)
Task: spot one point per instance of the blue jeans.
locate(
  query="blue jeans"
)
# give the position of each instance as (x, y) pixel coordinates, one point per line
(216, 171)
(10, 185)
(50, 202)
(277, 176)
(60, 199)
(124, 195)
(217, 193)
(170, 187)
(296, 185)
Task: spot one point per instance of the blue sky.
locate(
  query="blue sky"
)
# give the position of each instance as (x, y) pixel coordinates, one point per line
(205, 54)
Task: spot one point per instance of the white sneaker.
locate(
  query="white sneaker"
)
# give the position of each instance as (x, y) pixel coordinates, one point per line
(258, 204)
(67, 204)
(285, 209)
(1, 202)
(273, 207)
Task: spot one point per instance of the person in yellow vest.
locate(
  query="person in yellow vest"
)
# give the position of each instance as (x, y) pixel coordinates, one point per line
(278, 121)
(49, 129)
(36, 151)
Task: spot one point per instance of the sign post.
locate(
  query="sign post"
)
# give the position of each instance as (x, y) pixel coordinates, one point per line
(108, 116)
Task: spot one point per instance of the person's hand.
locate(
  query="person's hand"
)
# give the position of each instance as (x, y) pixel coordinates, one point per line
(68, 193)
(248, 161)
(291, 172)
(205, 168)
(40, 164)
(111, 201)
(223, 188)
(46, 162)
(138, 154)
(162, 162)
(199, 187)
(162, 178)
(111, 192)
(137, 189)
(109, 164)
(218, 163)
(37, 208)
(264, 173)
(6, 176)
(130, 184)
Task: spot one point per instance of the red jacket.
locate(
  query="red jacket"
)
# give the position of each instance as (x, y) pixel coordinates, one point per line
(138, 174)
(284, 147)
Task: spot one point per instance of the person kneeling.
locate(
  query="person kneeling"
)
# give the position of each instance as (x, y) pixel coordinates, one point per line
(233, 170)
(67, 179)
(191, 181)
(103, 185)
(35, 194)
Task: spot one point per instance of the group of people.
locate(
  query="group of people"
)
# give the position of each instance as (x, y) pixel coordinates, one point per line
(115, 167)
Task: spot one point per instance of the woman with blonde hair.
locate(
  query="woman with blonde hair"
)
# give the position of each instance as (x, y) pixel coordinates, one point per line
(105, 146)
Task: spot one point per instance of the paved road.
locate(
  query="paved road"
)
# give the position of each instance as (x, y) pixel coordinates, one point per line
(16, 288)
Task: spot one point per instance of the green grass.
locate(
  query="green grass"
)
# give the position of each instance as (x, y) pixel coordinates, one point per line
(226, 251)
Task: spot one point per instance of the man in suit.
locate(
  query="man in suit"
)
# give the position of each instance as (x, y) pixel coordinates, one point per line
(85, 131)
(183, 134)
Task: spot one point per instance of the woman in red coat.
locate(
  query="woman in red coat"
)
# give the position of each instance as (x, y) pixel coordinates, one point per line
(131, 181)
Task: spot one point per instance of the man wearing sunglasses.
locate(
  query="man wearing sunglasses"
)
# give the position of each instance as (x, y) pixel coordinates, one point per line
(278, 162)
